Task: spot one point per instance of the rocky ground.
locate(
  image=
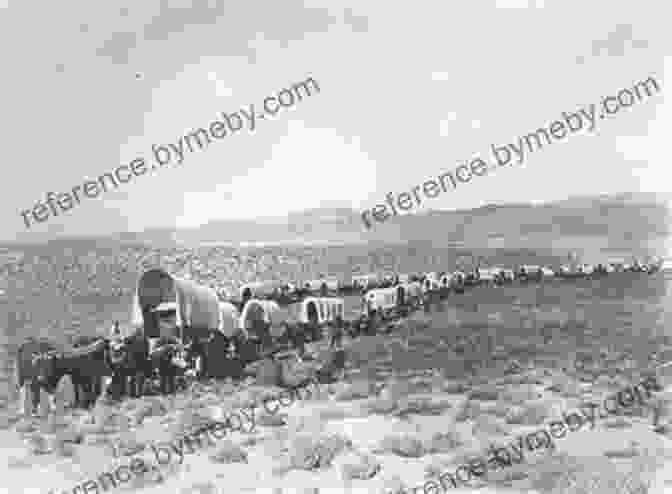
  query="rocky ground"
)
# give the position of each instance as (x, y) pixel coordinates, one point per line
(360, 434)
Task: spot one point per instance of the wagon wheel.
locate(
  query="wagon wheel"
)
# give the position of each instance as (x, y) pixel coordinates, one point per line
(354, 328)
(313, 330)
(375, 321)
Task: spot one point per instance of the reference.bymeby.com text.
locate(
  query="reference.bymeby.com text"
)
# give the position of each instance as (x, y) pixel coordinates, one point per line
(514, 152)
(171, 153)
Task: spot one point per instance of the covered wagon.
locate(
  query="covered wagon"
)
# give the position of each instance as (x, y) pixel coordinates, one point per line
(313, 315)
(568, 271)
(229, 320)
(587, 269)
(258, 316)
(445, 280)
(403, 278)
(409, 295)
(193, 308)
(379, 304)
(508, 275)
(320, 310)
(260, 322)
(529, 272)
(321, 285)
(174, 312)
(488, 276)
(262, 289)
(430, 282)
(365, 281)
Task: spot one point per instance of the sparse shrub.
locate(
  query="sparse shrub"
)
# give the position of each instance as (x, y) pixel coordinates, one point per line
(469, 410)
(405, 446)
(311, 453)
(70, 435)
(39, 445)
(228, 452)
(382, 406)
(500, 409)
(617, 423)
(530, 414)
(359, 466)
(200, 488)
(561, 473)
(149, 408)
(335, 414)
(454, 387)
(356, 390)
(443, 442)
(421, 406)
(271, 419)
(66, 449)
(521, 395)
(484, 394)
(394, 485)
(488, 425)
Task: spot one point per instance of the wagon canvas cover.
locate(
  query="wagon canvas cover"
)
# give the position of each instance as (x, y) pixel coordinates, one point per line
(197, 306)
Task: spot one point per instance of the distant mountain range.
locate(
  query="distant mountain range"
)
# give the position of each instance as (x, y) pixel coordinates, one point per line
(622, 220)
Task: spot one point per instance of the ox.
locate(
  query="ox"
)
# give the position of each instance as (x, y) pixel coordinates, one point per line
(166, 358)
(86, 365)
(129, 358)
(263, 289)
(27, 372)
(219, 347)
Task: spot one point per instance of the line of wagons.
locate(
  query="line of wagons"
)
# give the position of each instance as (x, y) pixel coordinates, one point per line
(184, 329)
(290, 292)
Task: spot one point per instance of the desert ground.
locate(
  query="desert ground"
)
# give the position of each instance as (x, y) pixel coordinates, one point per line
(432, 393)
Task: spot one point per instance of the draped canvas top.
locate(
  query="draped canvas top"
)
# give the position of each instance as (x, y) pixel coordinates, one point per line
(197, 306)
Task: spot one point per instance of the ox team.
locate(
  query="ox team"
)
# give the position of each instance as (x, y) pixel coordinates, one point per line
(183, 329)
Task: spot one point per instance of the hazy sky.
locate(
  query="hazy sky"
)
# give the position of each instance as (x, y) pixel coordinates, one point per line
(408, 91)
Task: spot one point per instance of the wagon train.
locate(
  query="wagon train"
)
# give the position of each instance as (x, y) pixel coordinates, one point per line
(183, 330)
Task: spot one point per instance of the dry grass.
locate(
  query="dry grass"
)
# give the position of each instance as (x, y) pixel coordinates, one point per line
(406, 446)
(310, 452)
(591, 475)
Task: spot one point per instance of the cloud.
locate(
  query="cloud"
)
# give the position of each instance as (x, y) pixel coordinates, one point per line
(309, 168)
(511, 4)
(221, 88)
(359, 24)
(444, 128)
(651, 150)
(118, 46)
(224, 27)
(519, 4)
(440, 76)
